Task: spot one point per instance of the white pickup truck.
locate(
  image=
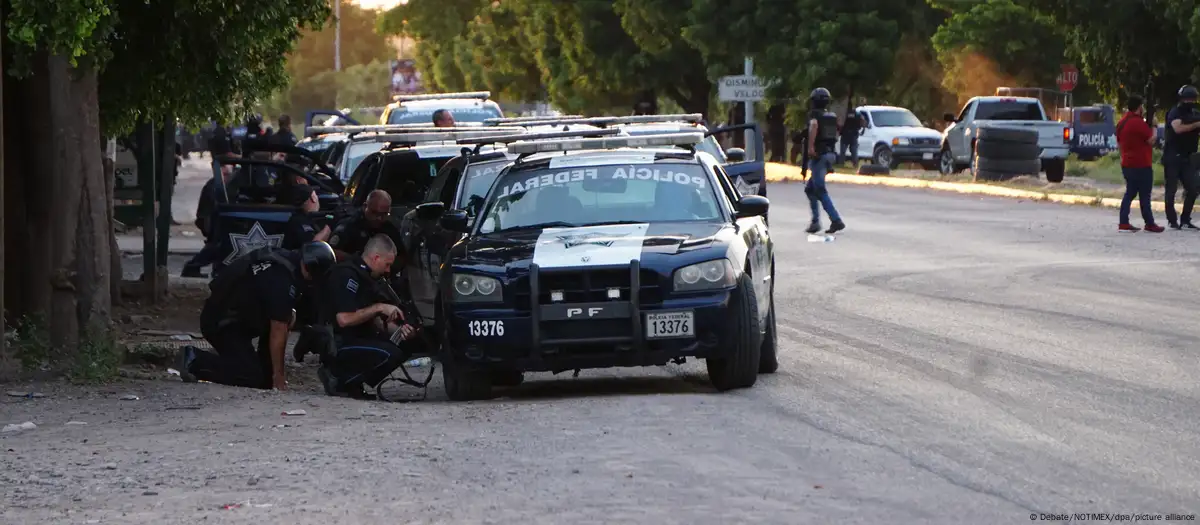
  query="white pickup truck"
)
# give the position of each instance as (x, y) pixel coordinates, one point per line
(958, 140)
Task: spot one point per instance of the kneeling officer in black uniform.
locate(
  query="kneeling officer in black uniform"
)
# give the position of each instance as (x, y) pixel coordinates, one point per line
(255, 296)
(350, 235)
(368, 331)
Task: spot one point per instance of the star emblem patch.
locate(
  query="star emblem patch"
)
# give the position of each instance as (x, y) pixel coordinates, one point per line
(254, 239)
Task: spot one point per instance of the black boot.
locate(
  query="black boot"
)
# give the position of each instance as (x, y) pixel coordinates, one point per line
(814, 227)
(836, 226)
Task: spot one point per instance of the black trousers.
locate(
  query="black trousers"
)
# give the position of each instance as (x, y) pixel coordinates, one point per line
(1177, 172)
(236, 361)
(366, 361)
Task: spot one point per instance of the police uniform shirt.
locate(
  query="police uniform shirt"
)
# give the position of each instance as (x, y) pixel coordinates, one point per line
(1180, 144)
(349, 288)
(271, 294)
(352, 233)
(299, 231)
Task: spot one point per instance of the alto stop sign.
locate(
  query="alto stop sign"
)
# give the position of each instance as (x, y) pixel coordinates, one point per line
(1068, 78)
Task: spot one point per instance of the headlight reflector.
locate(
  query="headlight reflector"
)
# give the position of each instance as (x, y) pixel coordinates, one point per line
(709, 275)
(476, 288)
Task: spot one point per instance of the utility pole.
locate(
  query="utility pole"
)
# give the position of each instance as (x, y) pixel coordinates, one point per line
(749, 111)
(337, 35)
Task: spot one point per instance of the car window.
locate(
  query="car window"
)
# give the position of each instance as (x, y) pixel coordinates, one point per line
(1009, 110)
(1092, 116)
(356, 153)
(712, 147)
(407, 178)
(728, 188)
(966, 109)
(895, 118)
(663, 191)
(425, 116)
(478, 181)
(363, 177)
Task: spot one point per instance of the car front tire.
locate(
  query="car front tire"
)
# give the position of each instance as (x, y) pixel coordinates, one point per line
(739, 367)
(462, 381)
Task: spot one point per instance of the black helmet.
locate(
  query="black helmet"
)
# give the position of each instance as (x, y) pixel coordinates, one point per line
(1189, 92)
(820, 97)
(317, 257)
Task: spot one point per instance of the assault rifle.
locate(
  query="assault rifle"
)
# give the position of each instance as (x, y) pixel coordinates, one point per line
(413, 317)
(1151, 109)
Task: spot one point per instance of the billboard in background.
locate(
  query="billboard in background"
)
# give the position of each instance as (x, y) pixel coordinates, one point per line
(406, 80)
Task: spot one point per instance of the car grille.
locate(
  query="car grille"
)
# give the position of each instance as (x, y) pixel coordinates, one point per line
(587, 286)
(924, 142)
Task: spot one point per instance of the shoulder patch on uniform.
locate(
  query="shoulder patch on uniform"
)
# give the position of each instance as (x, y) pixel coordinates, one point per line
(352, 285)
(292, 291)
(308, 228)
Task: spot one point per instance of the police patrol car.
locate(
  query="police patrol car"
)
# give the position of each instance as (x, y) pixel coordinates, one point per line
(606, 252)
(469, 108)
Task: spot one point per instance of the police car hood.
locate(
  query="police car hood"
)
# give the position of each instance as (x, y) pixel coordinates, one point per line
(605, 245)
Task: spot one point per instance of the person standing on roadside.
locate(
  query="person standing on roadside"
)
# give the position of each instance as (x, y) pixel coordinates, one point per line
(1180, 139)
(851, 130)
(1135, 140)
(284, 136)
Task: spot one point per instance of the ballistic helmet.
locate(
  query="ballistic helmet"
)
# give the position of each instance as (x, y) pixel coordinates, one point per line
(317, 257)
(1189, 92)
(820, 97)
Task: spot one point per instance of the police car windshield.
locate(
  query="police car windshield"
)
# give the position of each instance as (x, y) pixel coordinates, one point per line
(895, 118)
(585, 195)
(425, 116)
(1009, 110)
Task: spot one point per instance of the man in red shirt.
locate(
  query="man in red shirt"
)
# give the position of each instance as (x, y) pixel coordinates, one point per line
(1135, 139)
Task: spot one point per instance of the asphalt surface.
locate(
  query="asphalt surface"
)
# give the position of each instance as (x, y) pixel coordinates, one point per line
(947, 359)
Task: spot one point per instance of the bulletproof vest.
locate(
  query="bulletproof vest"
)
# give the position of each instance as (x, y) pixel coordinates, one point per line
(223, 288)
(827, 132)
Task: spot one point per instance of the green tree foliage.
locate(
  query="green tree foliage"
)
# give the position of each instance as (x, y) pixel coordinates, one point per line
(439, 26)
(498, 42)
(197, 60)
(71, 28)
(998, 43)
(361, 44)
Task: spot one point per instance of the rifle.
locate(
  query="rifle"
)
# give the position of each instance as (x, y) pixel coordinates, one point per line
(1151, 109)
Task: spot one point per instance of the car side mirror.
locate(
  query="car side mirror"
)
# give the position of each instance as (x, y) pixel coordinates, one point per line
(752, 206)
(949, 118)
(455, 221)
(430, 211)
(735, 154)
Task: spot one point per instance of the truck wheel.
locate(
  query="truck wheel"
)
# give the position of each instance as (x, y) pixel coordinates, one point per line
(739, 369)
(768, 360)
(883, 157)
(462, 381)
(946, 164)
(1055, 169)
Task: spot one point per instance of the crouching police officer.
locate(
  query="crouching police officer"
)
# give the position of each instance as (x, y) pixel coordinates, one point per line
(254, 297)
(369, 333)
(350, 235)
(822, 142)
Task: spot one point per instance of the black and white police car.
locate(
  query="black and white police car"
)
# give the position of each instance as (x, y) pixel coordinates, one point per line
(606, 252)
(469, 108)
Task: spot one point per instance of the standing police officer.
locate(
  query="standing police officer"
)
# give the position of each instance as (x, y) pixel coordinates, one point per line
(368, 331)
(822, 141)
(1180, 140)
(350, 235)
(255, 297)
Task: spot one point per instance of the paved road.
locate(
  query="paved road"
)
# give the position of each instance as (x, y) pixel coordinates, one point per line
(949, 359)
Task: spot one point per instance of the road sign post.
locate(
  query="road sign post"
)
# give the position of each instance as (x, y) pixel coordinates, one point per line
(746, 89)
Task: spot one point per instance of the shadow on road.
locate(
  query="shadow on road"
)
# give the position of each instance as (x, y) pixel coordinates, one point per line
(567, 387)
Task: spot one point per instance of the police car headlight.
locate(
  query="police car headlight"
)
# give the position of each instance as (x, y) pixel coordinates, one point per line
(476, 288)
(710, 275)
(900, 141)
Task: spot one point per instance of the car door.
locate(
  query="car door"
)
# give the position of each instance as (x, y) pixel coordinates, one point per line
(956, 135)
(424, 236)
(753, 231)
(750, 174)
(364, 179)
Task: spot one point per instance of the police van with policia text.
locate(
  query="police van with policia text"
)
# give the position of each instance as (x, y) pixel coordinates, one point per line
(607, 252)
(748, 175)
(469, 108)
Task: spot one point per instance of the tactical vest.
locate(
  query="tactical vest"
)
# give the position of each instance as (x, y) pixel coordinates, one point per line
(827, 132)
(223, 288)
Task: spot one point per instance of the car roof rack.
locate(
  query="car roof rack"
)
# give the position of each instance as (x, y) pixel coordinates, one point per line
(480, 142)
(694, 118)
(443, 136)
(318, 130)
(525, 147)
(466, 95)
(520, 120)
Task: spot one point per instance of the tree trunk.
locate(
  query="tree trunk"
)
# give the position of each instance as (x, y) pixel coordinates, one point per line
(80, 261)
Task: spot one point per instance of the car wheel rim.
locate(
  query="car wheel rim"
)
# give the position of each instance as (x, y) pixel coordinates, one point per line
(947, 163)
(885, 158)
